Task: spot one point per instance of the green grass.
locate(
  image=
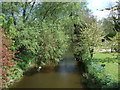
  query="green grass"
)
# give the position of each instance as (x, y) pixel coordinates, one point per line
(111, 63)
(112, 69)
(104, 55)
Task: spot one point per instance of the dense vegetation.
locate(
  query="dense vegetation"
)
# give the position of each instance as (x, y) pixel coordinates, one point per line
(42, 33)
(9, 70)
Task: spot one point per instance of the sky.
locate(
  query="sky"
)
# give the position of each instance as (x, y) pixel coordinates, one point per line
(97, 5)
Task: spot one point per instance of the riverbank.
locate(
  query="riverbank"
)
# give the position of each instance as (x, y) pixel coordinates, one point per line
(65, 75)
(103, 71)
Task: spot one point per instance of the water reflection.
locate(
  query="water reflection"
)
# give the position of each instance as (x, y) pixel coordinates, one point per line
(65, 75)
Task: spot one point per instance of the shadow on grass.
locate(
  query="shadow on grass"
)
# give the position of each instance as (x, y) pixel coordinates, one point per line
(113, 60)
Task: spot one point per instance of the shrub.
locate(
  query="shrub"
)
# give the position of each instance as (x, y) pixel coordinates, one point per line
(6, 59)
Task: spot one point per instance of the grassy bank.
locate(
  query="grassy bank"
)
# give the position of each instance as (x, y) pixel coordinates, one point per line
(103, 71)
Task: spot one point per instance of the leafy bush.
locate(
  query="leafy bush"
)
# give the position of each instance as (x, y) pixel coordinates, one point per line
(98, 76)
(8, 64)
(7, 53)
(46, 43)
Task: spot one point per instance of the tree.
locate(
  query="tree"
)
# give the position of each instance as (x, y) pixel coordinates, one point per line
(55, 20)
(115, 10)
(45, 29)
(108, 26)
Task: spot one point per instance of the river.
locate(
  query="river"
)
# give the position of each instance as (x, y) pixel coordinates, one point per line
(66, 75)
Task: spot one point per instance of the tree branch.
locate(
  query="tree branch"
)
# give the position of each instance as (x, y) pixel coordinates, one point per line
(30, 11)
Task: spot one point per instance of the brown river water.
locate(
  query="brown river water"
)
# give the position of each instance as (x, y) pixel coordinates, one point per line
(66, 75)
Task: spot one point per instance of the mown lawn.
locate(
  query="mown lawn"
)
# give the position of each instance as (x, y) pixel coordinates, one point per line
(105, 55)
(110, 61)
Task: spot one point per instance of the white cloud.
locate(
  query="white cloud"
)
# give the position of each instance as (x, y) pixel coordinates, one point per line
(101, 14)
(114, 1)
(97, 5)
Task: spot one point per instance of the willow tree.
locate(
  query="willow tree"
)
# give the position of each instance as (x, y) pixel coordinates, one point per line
(58, 19)
(45, 29)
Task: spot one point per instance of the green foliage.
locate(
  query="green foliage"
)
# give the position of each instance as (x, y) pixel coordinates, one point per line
(49, 36)
(103, 74)
(89, 38)
(48, 42)
(93, 35)
(9, 70)
(2, 19)
(44, 31)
